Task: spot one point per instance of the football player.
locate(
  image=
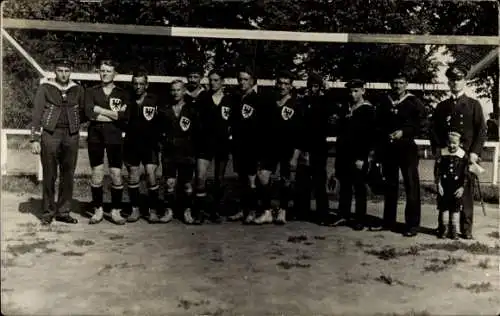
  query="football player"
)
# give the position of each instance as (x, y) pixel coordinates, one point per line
(214, 108)
(281, 125)
(180, 128)
(141, 146)
(107, 107)
(246, 129)
(194, 88)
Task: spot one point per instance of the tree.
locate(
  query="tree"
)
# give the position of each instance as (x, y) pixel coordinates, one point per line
(164, 56)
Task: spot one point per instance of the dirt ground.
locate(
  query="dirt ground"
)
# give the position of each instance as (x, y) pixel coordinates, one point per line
(230, 269)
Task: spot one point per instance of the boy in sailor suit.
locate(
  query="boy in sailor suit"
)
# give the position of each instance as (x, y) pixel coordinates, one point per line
(449, 170)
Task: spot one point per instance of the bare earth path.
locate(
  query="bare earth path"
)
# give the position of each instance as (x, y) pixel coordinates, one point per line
(230, 269)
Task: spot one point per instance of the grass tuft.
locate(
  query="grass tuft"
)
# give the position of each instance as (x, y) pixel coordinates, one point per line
(476, 287)
(474, 248)
(484, 264)
(297, 239)
(289, 265)
(27, 248)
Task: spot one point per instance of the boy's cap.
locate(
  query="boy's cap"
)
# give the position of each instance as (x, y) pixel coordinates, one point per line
(355, 83)
(454, 134)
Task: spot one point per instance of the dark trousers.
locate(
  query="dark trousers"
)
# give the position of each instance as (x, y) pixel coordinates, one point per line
(311, 178)
(467, 214)
(59, 149)
(404, 157)
(352, 178)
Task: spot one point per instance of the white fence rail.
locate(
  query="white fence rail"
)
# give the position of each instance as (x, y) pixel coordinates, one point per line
(25, 132)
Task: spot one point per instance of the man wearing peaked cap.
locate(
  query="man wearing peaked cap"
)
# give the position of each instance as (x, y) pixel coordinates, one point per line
(194, 88)
(311, 173)
(463, 114)
(57, 114)
(401, 118)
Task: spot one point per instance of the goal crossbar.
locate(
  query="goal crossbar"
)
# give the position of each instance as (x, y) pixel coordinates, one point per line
(199, 32)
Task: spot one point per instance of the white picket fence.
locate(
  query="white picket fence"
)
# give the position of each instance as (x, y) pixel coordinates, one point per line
(24, 132)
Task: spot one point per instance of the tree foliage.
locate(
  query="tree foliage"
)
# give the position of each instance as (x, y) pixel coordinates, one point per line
(169, 56)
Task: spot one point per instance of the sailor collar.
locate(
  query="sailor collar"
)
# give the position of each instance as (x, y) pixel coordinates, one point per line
(52, 82)
(460, 153)
(399, 101)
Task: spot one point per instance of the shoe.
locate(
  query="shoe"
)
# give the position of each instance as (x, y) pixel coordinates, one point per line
(215, 218)
(97, 217)
(410, 233)
(153, 216)
(441, 232)
(117, 218)
(46, 221)
(358, 226)
(264, 218)
(281, 217)
(188, 218)
(135, 215)
(467, 236)
(340, 221)
(236, 217)
(66, 219)
(167, 217)
(250, 219)
(453, 235)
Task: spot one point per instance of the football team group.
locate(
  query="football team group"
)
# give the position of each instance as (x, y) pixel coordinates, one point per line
(262, 133)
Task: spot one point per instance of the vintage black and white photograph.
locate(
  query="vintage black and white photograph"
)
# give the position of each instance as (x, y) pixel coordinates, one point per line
(238, 157)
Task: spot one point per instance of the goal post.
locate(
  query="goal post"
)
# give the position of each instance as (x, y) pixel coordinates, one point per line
(173, 31)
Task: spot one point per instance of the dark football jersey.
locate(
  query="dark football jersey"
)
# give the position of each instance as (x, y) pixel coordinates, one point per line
(144, 121)
(246, 119)
(215, 118)
(180, 134)
(119, 101)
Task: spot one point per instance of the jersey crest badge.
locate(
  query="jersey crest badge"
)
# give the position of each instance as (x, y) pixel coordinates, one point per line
(225, 110)
(287, 113)
(246, 111)
(116, 104)
(148, 112)
(185, 123)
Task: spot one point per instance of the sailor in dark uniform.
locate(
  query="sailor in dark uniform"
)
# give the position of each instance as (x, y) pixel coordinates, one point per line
(463, 114)
(354, 144)
(401, 118)
(59, 111)
(311, 174)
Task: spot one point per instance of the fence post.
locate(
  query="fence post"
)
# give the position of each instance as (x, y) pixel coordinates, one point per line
(495, 163)
(4, 152)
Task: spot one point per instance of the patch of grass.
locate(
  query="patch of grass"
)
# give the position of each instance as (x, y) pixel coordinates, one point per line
(474, 248)
(484, 264)
(8, 262)
(387, 279)
(24, 184)
(297, 239)
(495, 235)
(442, 265)
(30, 234)
(360, 244)
(476, 287)
(389, 253)
(308, 243)
(303, 257)
(27, 248)
(116, 237)
(73, 254)
(410, 313)
(83, 242)
(49, 250)
(319, 237)
(217, 259)
(289, 265)
(186, 304)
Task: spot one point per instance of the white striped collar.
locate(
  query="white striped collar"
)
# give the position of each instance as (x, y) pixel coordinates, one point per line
(397, 102)
(52, 82)
(460, 153)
